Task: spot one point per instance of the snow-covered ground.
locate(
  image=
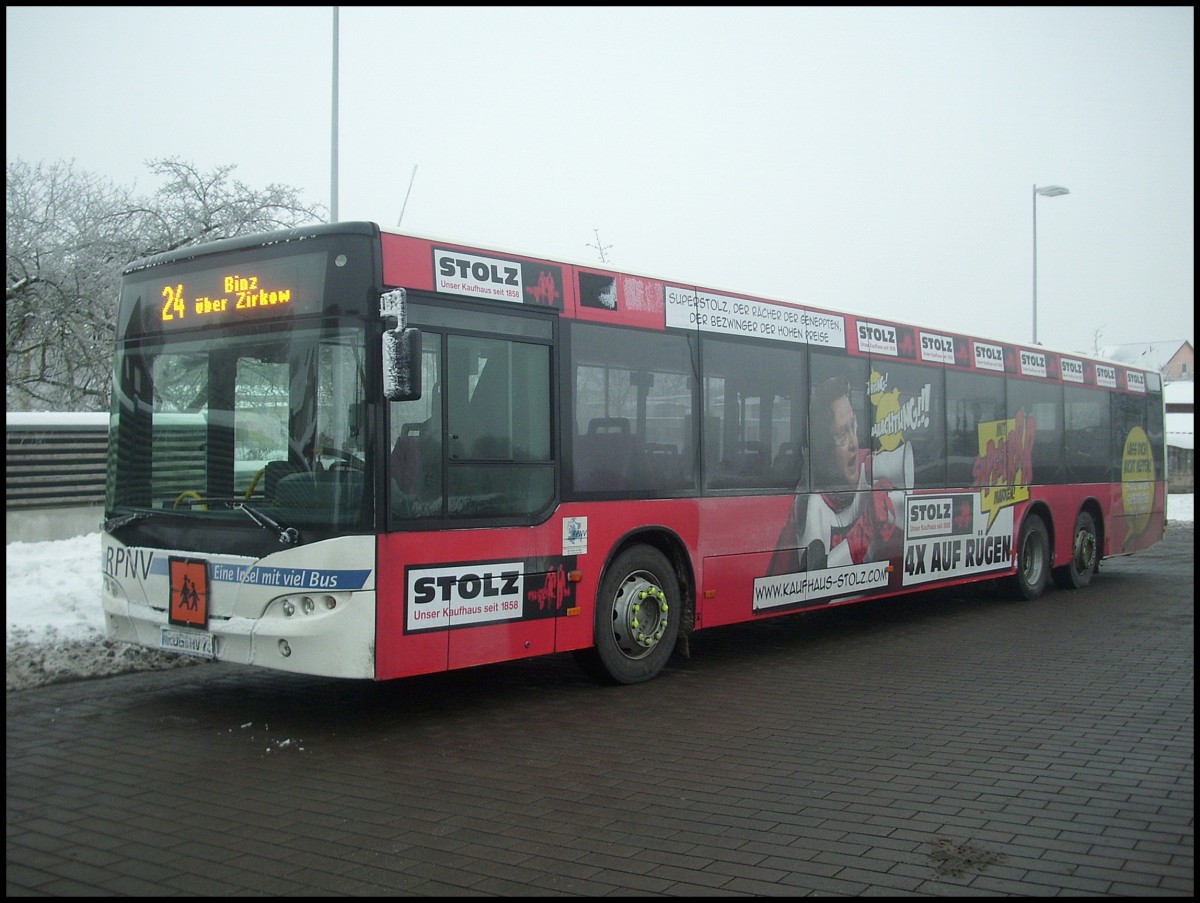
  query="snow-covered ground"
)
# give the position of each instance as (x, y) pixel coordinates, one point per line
(56, 626)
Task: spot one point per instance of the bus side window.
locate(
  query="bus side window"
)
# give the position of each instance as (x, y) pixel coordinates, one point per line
(415, 464)
(415, 429)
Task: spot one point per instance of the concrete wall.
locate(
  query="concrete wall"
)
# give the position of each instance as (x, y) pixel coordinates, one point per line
(54, 475)
(44, 524)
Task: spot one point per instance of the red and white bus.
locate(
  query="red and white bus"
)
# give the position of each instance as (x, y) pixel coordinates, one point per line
(340, 450)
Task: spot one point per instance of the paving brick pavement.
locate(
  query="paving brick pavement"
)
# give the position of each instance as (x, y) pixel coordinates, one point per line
(955, 743)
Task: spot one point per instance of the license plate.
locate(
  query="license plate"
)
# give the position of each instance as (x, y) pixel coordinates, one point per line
(186, 641)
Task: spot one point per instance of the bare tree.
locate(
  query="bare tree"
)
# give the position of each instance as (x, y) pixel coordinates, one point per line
(69, 236)
(58, 287)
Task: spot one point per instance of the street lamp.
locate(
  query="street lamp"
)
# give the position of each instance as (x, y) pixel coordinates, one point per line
(333, 130)
(1049, 191)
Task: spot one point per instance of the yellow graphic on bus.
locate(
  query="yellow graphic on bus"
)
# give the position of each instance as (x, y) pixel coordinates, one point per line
(887, 412)
(1137, 480)
(1004, 468)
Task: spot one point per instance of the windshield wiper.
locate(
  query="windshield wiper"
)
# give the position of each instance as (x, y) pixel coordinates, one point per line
(116, 523)
(286, 535)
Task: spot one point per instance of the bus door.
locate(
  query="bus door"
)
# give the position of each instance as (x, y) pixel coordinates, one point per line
(471, 478)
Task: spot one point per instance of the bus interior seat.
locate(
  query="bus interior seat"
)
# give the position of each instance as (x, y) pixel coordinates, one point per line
(326, 490)
(785, 468)
(273, 472)
(606, 425)
(663, 464)
(604, 454)
(749, 459)
(405, 459)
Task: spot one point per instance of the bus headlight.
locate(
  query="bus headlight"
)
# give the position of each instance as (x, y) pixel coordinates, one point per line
(304, 606)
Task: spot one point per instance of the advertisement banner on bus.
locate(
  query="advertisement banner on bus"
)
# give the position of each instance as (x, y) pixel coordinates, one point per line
(485, 592)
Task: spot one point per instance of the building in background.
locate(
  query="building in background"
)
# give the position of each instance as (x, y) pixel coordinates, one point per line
(1174, 360)
(1180, 400)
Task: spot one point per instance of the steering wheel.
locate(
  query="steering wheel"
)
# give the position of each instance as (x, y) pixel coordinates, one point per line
(347, 460)
(189, 494)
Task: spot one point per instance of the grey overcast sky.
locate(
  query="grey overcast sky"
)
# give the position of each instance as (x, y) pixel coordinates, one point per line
(878, 161)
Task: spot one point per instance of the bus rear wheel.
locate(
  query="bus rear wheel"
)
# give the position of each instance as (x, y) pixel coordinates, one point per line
(638, 610)
(1033, 559)
(1078, 572)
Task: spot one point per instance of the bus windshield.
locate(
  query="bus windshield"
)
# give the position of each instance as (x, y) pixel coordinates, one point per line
(210, 424)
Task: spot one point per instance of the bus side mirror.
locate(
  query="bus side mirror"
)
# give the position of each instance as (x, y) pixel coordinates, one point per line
(401, 349)
(402, 364)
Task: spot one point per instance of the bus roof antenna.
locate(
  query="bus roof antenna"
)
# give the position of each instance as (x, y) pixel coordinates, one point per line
(599, 247)
(406, 194)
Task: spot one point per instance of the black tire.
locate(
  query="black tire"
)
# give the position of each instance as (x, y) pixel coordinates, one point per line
(638, 610)
(1033, 559)
(1084, 555)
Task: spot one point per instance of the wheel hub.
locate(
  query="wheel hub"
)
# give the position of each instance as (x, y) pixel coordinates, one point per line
(1085, 550)
(640, 616)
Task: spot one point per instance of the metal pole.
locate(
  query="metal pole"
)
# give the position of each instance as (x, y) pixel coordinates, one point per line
(404, 206)
(1050, 191)
(1035, 263)
(333, 154)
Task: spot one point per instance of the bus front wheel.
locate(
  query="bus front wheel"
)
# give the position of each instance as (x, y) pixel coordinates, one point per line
(1033, 559)
(638, 609)
(1078, 573)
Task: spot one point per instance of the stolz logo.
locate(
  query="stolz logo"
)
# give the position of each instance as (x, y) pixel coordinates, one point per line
(1072, 371)
(877, 339)
(1106, 376)
(495, 273)
(1033, 363)
(1135, 382)
(989, 357)
(937, 348)
(479, 277)
(462, 595)
(930, 516)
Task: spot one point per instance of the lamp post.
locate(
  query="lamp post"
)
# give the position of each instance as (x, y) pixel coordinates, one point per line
(333, 149)
(1049, 191)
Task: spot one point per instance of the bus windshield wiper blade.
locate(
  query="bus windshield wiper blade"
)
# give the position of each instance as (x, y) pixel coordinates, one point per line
(286, 535)
(116, 523)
